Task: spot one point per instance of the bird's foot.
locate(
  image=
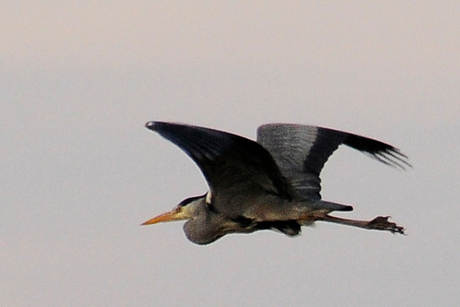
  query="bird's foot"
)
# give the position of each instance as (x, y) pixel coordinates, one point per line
(382, 223)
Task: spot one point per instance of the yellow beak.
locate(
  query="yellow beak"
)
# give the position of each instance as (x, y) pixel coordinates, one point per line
(174, 215)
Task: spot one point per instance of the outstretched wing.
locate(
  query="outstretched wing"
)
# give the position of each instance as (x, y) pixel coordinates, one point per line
(301, 151)
(232, 165)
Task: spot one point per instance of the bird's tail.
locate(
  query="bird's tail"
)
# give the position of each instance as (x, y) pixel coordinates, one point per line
(330, 206)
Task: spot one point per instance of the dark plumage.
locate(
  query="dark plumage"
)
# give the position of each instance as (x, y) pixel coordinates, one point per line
(269, 184)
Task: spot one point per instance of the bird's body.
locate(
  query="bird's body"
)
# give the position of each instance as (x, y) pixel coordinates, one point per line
(269, 184)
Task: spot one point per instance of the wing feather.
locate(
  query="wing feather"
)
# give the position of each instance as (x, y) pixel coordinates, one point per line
(231, 164)
(301, 151)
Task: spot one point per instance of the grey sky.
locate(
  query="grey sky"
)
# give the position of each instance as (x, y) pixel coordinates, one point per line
(79, 172)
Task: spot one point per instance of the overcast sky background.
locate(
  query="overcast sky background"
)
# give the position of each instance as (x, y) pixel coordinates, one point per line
(79, 172)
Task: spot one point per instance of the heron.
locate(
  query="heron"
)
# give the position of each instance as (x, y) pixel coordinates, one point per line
(269, 184)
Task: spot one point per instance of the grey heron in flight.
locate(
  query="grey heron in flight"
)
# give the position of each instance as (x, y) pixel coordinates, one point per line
(272, 184)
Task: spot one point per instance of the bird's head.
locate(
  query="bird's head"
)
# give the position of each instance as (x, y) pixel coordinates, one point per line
(185, 210)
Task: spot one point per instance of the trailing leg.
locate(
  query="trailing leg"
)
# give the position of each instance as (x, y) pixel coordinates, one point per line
(379, 223)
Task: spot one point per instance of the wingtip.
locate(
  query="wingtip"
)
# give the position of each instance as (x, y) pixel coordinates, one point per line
(150, 125)
(395, 158)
